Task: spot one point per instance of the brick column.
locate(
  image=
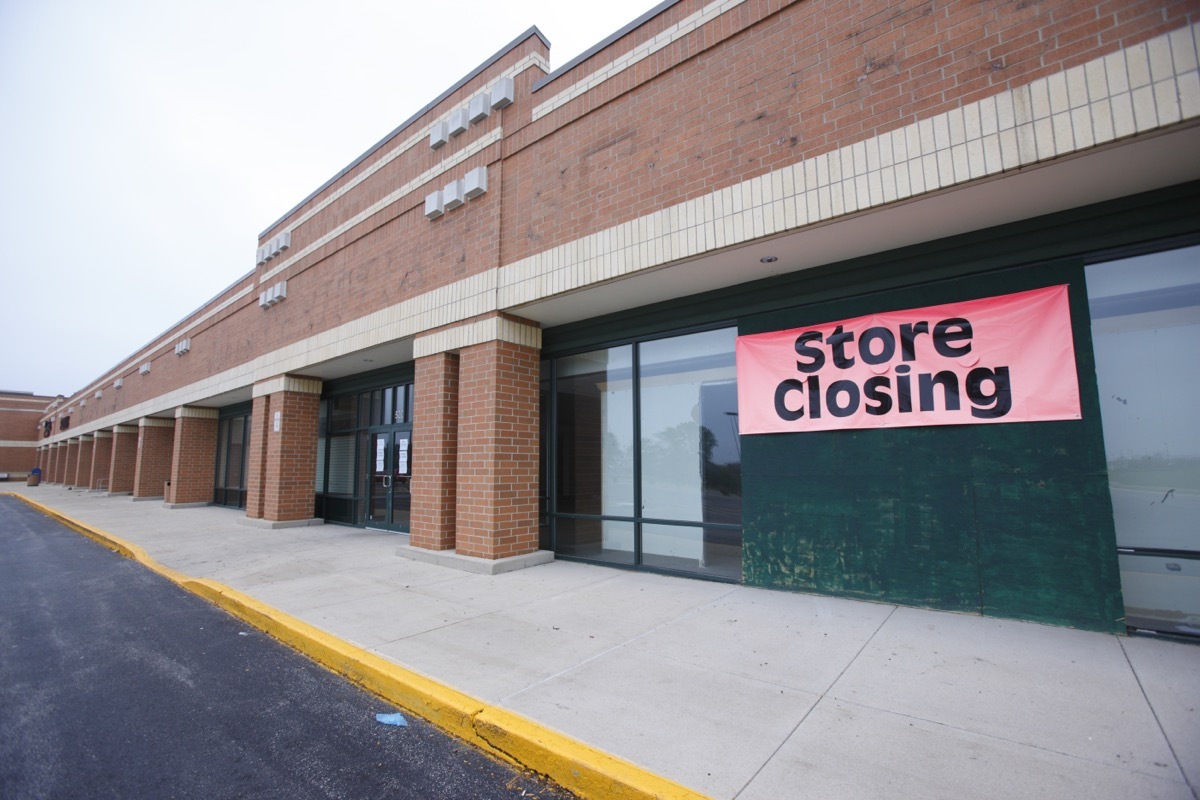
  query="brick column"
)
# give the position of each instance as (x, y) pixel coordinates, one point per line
(83, 466)
(52, 463)
(281, 486)
(435, 452)
(497, 450)
(69, 462)
(256, 459)
(123, 465)
(156, 440)
(101, 459)
(194, 457)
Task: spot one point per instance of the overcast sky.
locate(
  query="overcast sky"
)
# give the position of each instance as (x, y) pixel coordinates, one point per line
(144, 145)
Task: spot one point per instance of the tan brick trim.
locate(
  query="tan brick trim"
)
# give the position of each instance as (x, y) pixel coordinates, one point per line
(639, 53)
(196, 412)
(478, 332)
(288, 383)
(155, 422)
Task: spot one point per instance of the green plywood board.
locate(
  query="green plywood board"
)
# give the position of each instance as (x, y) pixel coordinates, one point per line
(1010, 520)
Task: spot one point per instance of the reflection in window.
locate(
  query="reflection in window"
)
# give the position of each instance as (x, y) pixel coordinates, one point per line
(670, 421)
(1146, 335)
(691, 463)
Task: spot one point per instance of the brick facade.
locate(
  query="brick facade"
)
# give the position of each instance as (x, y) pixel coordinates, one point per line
(283, 451)
(435, 452)
(497, 451)
(194, 456)
(20, 431)
(706, 147)
(155, 444)
(70, 462)
(123, 465)
(83, 470)
(102, 447)
(256, 461)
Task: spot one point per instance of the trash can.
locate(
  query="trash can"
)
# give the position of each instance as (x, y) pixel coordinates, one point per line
(35, 477)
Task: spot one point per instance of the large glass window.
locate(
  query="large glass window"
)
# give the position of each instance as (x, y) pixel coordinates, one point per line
(647, 463)
(595, 453)
(1146, 336)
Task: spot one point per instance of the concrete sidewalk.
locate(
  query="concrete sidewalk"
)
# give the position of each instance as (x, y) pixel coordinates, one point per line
(729, 690)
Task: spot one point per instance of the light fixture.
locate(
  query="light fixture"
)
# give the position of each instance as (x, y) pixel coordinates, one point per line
(768, 259)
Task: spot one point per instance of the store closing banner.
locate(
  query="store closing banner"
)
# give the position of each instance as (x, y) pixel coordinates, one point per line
(999, 359)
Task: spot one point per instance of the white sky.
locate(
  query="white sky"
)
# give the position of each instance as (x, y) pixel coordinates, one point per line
(145, 144)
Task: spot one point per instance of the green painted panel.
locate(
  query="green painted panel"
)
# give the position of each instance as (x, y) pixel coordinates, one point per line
(1008, 520)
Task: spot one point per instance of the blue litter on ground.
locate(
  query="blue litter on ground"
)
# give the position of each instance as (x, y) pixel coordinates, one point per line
(392, 719)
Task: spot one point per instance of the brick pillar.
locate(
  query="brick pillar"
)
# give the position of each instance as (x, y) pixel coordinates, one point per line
(256, 459)
(281, 486)
(101, 460)
(435, 452)
(70, 461)
(156, 440)
(123, 465)
(83, 466)
(497, 450)
(194, 457)
(52, 465)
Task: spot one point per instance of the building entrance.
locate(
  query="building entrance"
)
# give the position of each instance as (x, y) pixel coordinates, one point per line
(389, 467)
(364, 454)
(229, 485)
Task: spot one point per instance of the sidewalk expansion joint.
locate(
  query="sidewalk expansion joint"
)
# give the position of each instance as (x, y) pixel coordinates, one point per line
(503, 734)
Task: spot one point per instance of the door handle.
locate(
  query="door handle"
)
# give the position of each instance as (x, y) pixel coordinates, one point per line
(387, 481)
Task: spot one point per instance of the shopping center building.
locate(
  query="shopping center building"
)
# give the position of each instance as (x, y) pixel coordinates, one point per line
(898, 302)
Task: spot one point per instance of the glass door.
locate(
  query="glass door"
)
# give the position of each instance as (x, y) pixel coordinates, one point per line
(229, 487)
(389, 500)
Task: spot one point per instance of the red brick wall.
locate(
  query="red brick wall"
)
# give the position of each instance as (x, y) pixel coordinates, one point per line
(70, 460)
(707, 113)
(154, 449)
(83, 469)
(256, 460)
(52, 474)
(193, 460)
(289, 473)
(767, 84)
(435, 452)
(498, 419)
(20, 416)
(102, 447)
(123, 466)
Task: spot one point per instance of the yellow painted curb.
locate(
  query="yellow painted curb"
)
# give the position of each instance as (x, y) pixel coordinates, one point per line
(578, 767)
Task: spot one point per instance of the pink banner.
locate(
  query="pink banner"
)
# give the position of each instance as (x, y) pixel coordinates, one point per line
(1000, 359)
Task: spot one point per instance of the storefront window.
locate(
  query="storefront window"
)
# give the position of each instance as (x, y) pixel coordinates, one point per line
(647, 459)
(1146, 334)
